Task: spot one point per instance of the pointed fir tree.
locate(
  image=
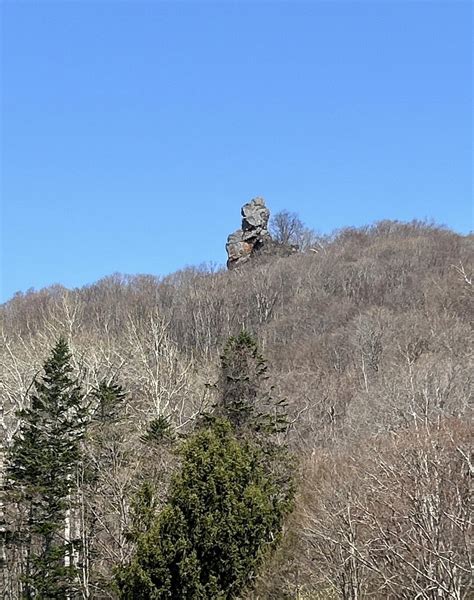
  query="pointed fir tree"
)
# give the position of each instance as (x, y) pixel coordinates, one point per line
(244, 395)
(242, 371)
(159, 432)
(109, 402)
(40, 471)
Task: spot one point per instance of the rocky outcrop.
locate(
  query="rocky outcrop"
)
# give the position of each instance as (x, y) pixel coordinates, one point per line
(253, 235)
(253, 238)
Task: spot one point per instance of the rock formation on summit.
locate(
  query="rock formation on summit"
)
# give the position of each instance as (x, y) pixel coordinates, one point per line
(253, 235)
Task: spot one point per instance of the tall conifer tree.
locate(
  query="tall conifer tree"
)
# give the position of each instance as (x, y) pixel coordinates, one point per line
(244, 394)
(226, 503)
(41, 466)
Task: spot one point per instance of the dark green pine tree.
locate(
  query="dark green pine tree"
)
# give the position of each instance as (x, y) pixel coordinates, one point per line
(223, 515)
(109, 402)
(244, 397)
(40, 472)
(242, 371)
(227, 502)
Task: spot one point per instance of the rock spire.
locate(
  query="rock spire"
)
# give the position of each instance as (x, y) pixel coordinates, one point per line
(253, 235)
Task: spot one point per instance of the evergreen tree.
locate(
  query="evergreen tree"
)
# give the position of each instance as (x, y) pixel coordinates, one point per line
(110, 399)
(242, 371)
(227, 502)
(41, 465)
(159, 432)
(223, 515)
(244, 397)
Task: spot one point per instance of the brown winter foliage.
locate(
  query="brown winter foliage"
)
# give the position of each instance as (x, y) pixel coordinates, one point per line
(369, 338)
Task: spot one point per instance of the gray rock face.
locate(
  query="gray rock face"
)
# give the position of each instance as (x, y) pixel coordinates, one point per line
(255, 215)
(252, 237)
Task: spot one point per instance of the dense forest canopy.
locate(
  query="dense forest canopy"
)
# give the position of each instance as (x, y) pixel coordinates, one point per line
(367, 337)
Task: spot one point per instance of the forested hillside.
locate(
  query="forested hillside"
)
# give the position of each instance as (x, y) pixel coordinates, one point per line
(366, 336)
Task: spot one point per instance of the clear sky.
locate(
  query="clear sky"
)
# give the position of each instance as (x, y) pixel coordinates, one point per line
(132, 132)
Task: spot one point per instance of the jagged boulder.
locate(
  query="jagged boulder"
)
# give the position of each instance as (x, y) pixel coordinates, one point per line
(238, 250)
(255, 216)
(253, 235)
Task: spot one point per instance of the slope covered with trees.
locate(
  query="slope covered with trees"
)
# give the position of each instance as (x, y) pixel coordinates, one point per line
(368, 337)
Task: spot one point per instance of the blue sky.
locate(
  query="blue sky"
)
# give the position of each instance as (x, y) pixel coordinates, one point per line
(132, 132)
